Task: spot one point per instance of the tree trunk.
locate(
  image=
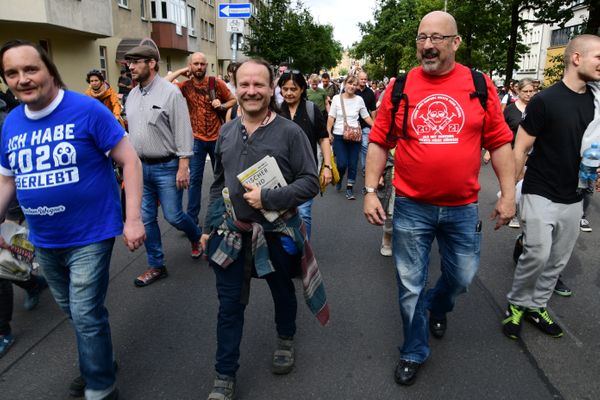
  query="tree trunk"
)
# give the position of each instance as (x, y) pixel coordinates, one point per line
(593, 22)
(512, 44)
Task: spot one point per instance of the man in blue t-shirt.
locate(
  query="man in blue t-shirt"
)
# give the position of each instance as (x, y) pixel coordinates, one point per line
(56, 154)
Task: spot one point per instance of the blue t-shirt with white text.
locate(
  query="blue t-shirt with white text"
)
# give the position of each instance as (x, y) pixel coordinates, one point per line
(64, 179)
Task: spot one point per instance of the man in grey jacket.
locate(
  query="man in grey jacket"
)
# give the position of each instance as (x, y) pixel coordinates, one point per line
(250, 245)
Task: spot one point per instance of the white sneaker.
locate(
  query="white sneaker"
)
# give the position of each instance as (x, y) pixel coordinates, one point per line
(584, 225)
(386, 250)
(514, 223)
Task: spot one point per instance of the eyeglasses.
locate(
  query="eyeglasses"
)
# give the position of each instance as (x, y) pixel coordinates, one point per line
(139, 61)
(292, 72)
(435, 38)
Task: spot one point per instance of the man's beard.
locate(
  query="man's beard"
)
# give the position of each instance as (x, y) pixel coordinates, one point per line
(199, 74)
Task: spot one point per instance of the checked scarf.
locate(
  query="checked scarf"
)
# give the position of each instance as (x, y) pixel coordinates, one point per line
(289, 224)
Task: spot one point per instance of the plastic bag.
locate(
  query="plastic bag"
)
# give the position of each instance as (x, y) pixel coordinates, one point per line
(16, 263)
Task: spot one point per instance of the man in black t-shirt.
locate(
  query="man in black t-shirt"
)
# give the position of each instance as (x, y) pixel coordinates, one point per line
(553, 125)
(368, 97)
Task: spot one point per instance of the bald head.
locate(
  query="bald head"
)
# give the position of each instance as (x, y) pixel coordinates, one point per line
(198, 65)
(437, 42)
(444, 21)
(581, 45)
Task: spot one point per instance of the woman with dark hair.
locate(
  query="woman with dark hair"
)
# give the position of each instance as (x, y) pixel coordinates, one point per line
(346, 152)
(295, 107)
(101, 91)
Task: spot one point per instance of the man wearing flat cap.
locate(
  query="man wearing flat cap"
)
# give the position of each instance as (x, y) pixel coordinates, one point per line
(161, 132)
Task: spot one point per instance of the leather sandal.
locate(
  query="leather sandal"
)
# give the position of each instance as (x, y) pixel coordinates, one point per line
(223, 388)
(283, 357)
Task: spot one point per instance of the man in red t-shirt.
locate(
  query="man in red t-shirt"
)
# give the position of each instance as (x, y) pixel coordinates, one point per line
(206, 123)
(437, 162)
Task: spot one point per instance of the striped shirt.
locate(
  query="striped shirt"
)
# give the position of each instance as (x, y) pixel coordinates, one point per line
(159, 122)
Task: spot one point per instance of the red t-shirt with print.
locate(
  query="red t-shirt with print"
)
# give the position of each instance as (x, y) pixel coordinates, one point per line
(447, 127)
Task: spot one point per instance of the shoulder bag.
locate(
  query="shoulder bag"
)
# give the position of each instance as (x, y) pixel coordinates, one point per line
(351, 133)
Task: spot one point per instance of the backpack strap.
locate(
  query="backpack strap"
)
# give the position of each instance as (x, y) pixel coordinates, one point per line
(481, 91)
(310, 110)
(234, 110)
(211, 87)
(397, 96)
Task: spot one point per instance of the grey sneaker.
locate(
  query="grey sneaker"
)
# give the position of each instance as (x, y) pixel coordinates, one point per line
(283, 357)
(223, 388)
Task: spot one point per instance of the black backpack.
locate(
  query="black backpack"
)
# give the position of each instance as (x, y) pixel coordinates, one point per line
(398, 95)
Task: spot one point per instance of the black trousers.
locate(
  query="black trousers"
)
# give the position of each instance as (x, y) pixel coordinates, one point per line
(6, 300)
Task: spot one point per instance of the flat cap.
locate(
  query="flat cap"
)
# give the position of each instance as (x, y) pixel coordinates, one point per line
(143, 51)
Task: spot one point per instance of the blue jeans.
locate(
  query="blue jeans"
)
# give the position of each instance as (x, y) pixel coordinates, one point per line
(364, 146)
(346, 157)
(201, 149)
(229, 281)
(160, 184)
(457, 230)
(305, 211)
(78, 279)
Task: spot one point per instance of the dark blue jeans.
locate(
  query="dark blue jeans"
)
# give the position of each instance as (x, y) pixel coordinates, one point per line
(201, 149)
(6, 299)
(78, 280)
(231, 310)
(416, 225)
(346, 157)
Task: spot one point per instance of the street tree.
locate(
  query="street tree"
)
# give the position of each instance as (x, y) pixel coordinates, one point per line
(286, 32)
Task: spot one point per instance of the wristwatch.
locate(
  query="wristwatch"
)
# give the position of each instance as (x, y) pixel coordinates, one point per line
(368, 189)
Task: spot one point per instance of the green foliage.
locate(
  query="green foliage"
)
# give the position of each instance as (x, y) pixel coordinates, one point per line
(491, 32)
(282, 33)
(554, 72)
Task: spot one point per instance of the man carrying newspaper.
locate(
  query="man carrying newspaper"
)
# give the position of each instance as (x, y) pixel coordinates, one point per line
(254, 243)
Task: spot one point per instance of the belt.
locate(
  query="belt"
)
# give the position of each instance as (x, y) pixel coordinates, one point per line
(161, 160)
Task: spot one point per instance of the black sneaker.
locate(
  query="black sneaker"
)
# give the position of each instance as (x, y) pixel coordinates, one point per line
(542, 320)
(77, 386)
(561, 289)
(511, 325)
(437, 327)
(406, 372)
(584, 225)
(518, 248)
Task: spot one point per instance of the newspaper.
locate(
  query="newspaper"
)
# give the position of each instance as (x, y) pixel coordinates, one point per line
(16, 262)
(267, 175)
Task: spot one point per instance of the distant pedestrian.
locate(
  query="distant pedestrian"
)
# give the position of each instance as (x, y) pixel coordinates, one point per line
(125, 84)
(363, 90)
(317, 95)
(161, 132)
(295, 107)
(101, 91)
(346, 108)
(208, 99)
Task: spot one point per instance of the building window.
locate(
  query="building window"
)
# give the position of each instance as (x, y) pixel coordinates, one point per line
(561, 37)
(103, 62)
(191, 20)
(211, 32)
(123, 3)
(205, 33)
(143, 9)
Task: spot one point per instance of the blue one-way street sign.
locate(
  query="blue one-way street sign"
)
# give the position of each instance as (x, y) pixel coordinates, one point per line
(235, 10)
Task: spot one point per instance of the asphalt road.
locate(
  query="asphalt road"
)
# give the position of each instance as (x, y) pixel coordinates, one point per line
(164, 335)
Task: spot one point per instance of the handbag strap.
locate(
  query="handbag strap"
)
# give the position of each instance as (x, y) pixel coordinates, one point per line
(343, 108)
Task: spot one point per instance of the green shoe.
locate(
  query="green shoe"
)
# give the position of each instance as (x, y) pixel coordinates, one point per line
(511, 325)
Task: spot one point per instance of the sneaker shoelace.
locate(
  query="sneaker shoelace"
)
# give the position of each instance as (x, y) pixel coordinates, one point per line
(516, 314)
(543, 313)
